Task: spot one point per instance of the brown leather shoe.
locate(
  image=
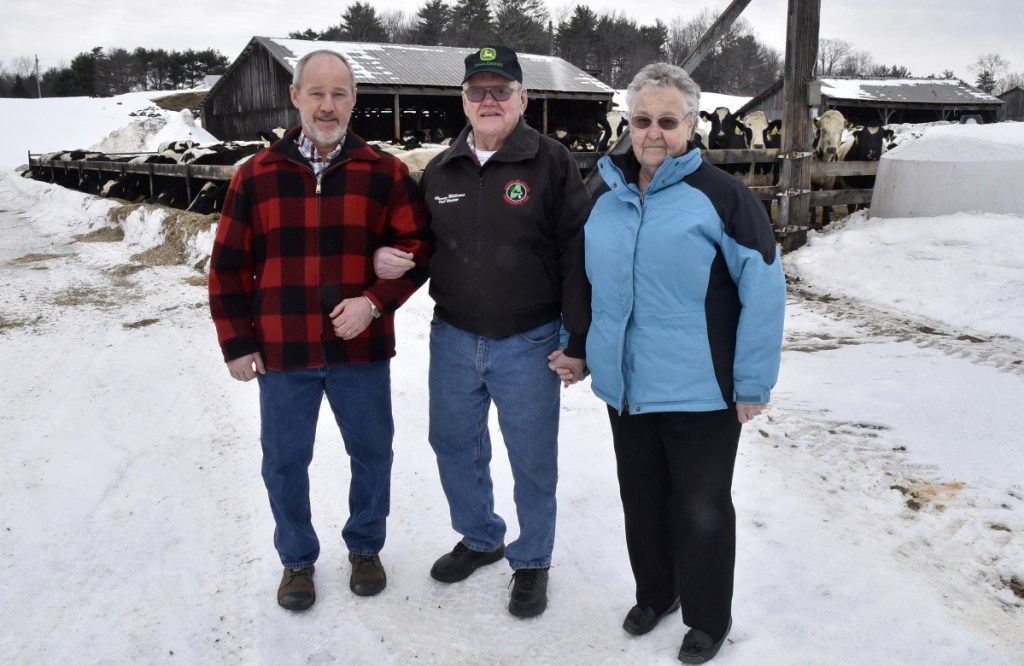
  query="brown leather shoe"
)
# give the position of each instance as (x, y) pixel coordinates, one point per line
(368, 577)
(297, 592)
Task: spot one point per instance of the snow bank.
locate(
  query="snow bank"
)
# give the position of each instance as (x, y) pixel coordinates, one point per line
(944, 268)
(64, 123)
(179, 127)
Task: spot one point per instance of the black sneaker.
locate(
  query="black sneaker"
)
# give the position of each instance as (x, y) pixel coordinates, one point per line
(368, 577)
(641, 619)
(297, 592)
(458, 564)
(529, 593)
(698, 647)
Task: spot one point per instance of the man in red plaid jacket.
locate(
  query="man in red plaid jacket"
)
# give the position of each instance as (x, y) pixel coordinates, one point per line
(297, 306)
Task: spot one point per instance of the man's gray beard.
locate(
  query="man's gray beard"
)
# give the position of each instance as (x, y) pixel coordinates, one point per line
(320, 136)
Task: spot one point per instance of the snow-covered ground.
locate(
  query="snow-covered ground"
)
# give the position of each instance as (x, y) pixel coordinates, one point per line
(880, 498)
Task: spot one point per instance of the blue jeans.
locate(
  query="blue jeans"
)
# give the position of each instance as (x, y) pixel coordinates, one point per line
(467, 372)
(360, 397)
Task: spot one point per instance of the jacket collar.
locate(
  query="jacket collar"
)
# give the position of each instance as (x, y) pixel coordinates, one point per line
(353, 148)
(522, 144)
(622, 170)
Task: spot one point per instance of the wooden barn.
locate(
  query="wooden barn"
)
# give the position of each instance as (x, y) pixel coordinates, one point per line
(1013, 99)
(884, 101)
(402, 88)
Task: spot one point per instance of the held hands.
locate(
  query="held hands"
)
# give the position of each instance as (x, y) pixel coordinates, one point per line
(351, 317)
(747, 412)
(570, 370)
(390, 263)
(246, 367)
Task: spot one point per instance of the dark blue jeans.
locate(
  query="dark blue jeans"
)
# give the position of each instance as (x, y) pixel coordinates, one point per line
(467, 372)
(360, 397)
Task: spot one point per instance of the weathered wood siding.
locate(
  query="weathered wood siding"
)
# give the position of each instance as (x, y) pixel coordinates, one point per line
(254, 99)
(1014, 108)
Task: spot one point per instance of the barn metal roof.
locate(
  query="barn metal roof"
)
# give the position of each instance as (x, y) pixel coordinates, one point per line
(411, 65)
(945, 92)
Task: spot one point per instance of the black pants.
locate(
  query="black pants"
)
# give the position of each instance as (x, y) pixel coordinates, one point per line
(675, 478)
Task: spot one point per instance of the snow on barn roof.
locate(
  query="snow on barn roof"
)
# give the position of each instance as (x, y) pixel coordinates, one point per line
(433, 66)
(906, 91)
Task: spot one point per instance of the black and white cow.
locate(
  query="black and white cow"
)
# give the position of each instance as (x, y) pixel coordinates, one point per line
(828, 137)
(867, 144)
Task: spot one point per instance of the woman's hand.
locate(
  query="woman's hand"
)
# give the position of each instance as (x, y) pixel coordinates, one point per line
(747, 412)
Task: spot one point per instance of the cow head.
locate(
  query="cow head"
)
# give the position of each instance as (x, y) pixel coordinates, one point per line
(755, 127)
(828, 135)
(869, 142)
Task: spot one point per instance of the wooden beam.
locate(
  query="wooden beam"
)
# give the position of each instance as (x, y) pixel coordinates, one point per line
(714, 34)
(703, 47)
(795, 175)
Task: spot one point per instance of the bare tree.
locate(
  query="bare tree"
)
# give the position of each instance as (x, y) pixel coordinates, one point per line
(1008, 82)
(989, 68)
(398, 25)
(22, 66)
(831, 53)
(857, 63)
(684, 35)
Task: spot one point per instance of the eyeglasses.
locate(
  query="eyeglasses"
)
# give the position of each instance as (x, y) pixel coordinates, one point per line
(666, 123)
(499, 93)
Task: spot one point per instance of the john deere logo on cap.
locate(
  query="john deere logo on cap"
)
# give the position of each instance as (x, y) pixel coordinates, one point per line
(488, 54)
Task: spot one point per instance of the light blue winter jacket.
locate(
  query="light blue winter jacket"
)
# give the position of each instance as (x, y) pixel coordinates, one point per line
(688, 290)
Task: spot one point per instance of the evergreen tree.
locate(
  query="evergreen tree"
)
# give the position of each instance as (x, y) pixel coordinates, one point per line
(575, 38)
(19, 89)
(986, 81)
(522, 25)
(433, 21)
(471, 23)
(360, 23)
(308, 34)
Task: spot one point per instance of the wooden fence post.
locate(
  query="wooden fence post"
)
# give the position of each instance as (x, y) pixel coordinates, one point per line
(795, 175)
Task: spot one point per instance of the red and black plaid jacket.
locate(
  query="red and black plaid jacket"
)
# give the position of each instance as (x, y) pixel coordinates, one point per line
(291, 246)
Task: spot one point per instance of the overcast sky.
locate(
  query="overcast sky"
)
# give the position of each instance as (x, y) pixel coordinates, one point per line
(927, 36)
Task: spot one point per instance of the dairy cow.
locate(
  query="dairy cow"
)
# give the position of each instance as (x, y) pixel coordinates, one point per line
(867, 144)
(828, 137)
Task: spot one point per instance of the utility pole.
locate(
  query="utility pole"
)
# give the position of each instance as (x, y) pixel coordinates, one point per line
(39, 86)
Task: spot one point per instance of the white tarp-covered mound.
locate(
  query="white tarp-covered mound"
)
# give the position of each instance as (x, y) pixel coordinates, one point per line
(953, 168)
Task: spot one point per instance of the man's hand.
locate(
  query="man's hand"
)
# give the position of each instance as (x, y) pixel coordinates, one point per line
(747, 412)
(390, 263)
(570, 370)
(246, 367)
(351, 317)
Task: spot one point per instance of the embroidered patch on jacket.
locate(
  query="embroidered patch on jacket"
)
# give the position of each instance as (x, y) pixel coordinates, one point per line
(516, 192)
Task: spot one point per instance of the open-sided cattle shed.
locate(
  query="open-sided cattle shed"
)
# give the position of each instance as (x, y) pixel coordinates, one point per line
(401, 88)
(884, 101)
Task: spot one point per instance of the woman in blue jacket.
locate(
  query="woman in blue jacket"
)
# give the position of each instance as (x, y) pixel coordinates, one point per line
(688, 303)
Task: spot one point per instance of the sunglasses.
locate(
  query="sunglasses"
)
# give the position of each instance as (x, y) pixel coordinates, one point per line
(499, 93)
(666, 123)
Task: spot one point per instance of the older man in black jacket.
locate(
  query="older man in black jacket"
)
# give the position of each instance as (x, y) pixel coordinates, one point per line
(507, 207)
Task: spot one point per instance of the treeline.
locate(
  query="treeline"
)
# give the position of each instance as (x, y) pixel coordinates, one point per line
(610, 46)
(104, 72)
